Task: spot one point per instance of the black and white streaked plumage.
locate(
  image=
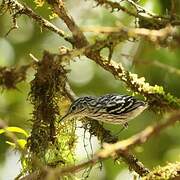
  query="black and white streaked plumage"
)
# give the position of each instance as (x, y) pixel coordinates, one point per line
(110, 108)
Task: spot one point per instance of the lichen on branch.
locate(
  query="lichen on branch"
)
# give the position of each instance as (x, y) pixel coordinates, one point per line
(170, 171)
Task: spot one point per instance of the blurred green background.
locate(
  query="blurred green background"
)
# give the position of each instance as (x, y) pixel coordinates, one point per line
(87, 78)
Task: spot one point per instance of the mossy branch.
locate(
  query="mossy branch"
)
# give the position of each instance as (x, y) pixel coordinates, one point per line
(17, 9)
(11, 76)
(170, 171)
(158, 99)
(45, 143)
(145, 18)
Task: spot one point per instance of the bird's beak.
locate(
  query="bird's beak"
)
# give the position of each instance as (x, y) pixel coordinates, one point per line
(64, 117)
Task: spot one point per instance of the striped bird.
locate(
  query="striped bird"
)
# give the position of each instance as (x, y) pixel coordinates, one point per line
(110, 108)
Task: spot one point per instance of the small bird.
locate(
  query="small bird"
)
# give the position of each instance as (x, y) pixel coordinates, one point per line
(109, 108)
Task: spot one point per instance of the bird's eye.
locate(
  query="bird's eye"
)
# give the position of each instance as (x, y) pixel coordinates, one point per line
(73, 108)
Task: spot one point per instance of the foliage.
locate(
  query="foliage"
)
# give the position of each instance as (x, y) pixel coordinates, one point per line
(19, 143)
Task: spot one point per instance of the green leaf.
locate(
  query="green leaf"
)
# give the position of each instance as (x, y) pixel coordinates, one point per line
(21, 143)
(14, 129)
(11, 144)
(2, 131)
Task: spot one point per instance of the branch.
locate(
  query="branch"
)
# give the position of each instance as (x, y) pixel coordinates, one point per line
(15, 8)
(112, 150)
(79, 40)
(140, 138)
(9, 77)
(154, 94)
(119, 34)
(157, 98)
(146, 19)
(140, 9)
(115, 6)
(170, 171)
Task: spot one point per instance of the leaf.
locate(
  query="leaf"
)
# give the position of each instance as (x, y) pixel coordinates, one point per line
(14, 129)
(21, 143)
(11, 144)
(2, 131)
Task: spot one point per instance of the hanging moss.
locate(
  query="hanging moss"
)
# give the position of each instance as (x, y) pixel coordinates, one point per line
(50, 144)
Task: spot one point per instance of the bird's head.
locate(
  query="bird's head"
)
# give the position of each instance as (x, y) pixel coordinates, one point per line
(78, 108)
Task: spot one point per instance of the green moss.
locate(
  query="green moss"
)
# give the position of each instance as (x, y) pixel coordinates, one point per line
(50, 144)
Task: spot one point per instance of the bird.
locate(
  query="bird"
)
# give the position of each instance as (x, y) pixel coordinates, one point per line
(108, 108)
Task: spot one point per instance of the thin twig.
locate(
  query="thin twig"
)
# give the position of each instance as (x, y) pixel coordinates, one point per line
(140, 9)
(140, 13)
(17, 8)
(79, 38)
